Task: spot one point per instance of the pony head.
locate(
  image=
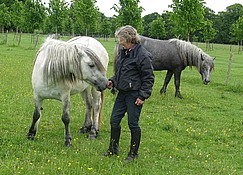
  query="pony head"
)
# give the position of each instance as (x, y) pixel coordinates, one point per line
(68, 64)
(206, 67)
(91, 69)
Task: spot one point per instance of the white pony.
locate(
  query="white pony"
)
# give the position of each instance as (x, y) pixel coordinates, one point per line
(63, 69)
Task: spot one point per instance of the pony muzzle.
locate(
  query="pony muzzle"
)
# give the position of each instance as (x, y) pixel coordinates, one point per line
(206, 81)
(101, 85)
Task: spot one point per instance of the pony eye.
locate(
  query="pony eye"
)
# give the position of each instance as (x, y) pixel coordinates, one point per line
(91, 65)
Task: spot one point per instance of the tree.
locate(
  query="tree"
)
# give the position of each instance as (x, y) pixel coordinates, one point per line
(114, 25)
(237, 31)
(85, 16)
(224, 21)
(188, 16)
(57, 14)
(34, 14)
(157, 28)
(90, 16)
(7, 3)
(208, 33)
(76, 16)
(129, 14)
(17, 13)
(147, 19)
(169, 25)
(5, 16)
(209, 14)
(105, 26)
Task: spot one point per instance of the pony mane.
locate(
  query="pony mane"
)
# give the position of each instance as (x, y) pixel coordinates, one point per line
(75, 38)
(95, 58)
(62, 62)
(91, 54)
(190, 54)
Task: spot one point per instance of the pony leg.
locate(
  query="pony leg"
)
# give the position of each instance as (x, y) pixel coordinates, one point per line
(166, 81)
(35, 121)
(97, 105)
(66, 118)
(177, 78)
(86, 95)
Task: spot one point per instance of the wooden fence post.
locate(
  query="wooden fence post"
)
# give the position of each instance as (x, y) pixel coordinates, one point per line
(19, 38)
(37, 39)
(5, 37)
(229, 66)
(34, 39)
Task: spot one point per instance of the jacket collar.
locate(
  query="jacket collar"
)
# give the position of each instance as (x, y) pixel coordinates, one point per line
(133, 51)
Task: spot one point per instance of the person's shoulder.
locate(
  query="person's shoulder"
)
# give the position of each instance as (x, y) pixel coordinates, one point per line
(144, 51)
(140, 48)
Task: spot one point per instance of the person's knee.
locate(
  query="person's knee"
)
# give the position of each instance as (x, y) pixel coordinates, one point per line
(114, 123)
(134, 126)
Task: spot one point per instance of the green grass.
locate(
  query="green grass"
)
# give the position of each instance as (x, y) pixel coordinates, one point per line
(200, 134)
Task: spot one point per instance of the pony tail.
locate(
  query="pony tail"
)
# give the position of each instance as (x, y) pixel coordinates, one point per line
(101, 107)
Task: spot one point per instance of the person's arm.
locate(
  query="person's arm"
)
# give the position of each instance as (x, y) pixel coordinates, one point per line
(147, 77)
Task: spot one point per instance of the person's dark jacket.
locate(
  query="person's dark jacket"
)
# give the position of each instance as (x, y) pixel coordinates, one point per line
(134, 71)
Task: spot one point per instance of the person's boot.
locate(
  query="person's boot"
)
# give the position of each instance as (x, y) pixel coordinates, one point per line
(135, 142)
(114, 142)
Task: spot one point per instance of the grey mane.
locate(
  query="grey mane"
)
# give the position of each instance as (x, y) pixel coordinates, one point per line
(190, 54)
(95, 58)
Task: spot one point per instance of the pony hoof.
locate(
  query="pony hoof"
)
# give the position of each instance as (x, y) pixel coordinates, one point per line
(30, 136)
(179, 96)
(68, 143)
(93, 135)
(84, 130)
(162, 91)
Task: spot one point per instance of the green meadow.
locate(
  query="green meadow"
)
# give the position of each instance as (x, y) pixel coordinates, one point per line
(200, 134)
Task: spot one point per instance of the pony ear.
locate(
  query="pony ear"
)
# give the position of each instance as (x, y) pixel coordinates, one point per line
(202, 58)
(75, 47)
(79, 52)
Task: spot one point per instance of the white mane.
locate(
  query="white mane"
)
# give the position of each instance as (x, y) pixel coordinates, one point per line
(62, 61)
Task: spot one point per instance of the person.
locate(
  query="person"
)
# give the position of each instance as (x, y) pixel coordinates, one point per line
(134, 79)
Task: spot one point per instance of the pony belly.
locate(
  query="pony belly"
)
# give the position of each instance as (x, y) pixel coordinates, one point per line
(78, 87)
(50, 92)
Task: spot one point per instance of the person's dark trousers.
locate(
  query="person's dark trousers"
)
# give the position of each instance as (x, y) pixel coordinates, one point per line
(114, 142)
(134, 145)
(125, 102)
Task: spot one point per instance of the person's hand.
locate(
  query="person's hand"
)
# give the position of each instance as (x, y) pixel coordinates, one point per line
(139, 102)
(109, 84)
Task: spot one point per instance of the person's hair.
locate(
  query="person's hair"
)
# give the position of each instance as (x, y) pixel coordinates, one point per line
(128, 33)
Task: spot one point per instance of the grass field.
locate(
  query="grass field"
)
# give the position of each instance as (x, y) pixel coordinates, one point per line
(201, 134)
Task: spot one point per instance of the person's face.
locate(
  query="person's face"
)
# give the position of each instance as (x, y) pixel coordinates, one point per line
(124, 44)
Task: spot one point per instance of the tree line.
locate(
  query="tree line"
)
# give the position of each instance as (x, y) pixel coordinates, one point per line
(188, 19)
